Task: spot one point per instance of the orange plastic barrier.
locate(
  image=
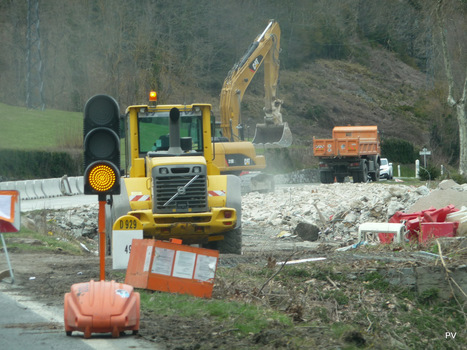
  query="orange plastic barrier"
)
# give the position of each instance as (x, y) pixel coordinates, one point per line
(172, 267)
(431, 230)
(139, 263)
(101, 307)
(425, 224)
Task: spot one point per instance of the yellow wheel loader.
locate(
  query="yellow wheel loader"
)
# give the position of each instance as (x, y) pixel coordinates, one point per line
(172, 189)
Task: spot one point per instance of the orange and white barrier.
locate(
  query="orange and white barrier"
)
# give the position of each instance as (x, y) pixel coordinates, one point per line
(10, 218)
(172, 267)
(10, 221)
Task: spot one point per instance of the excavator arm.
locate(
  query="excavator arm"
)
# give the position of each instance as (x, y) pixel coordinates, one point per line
(273, 133)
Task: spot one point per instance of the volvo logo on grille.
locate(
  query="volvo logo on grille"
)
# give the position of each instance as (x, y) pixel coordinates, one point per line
(181, 190)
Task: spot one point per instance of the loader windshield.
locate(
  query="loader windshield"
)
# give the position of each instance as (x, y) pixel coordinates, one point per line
(154, 131)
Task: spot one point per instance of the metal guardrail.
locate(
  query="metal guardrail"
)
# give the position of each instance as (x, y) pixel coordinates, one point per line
(46, 188)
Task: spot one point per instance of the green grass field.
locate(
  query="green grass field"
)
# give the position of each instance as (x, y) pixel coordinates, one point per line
(27, 129)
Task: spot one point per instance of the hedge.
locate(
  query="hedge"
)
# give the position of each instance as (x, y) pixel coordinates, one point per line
(398, 150)
(25, 165)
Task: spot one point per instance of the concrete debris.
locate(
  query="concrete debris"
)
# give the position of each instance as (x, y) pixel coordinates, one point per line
(77, 222)
(448, 192)
(307, 232)
(338, 209)
(313, 212)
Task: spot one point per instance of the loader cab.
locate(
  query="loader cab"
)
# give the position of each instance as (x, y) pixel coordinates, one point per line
(148, 128)
(154, 133)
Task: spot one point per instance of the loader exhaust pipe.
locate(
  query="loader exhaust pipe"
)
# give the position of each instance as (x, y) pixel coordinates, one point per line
(174, 132)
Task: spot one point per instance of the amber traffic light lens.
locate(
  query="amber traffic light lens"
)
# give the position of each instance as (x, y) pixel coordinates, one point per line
(102, 177)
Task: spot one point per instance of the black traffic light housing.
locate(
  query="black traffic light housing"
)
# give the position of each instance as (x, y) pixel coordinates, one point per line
(101, 146)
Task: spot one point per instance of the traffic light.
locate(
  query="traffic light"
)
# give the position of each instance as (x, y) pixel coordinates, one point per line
(101, 146)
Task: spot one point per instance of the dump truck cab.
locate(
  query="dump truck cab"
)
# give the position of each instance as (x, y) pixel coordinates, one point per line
(172, 187)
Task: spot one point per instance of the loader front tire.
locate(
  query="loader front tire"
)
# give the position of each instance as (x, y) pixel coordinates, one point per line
(231, 244)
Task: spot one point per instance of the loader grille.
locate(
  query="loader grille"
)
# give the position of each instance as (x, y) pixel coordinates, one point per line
(180, 189)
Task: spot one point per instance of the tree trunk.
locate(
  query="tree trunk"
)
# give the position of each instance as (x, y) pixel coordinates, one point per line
(459, 104)
(462, 120)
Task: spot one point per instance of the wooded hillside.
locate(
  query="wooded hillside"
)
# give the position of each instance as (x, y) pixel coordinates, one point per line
(342, 61)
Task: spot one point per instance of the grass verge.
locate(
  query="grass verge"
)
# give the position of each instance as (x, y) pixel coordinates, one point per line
(30, 241)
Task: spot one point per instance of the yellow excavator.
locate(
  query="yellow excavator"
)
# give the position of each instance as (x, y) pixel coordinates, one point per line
(233, 154)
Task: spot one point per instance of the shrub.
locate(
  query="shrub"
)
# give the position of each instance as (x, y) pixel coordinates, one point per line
(429, 173)
(460, 179)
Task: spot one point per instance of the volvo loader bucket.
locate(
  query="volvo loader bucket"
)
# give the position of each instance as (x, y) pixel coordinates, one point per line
(272, 136)
(101, 307)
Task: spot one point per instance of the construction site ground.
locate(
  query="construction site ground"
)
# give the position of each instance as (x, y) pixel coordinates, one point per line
(397, 296)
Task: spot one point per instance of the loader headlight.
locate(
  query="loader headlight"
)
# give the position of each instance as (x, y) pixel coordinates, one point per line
(163, 171)
(197, 169)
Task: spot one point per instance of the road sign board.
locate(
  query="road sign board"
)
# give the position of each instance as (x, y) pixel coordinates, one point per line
(425, 152)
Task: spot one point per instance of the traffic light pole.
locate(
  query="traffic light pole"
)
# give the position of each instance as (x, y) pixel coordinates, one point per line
(109, 302)
(101, 225)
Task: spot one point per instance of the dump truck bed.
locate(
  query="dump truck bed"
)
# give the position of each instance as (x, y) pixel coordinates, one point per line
(344, 147)
(348, 141)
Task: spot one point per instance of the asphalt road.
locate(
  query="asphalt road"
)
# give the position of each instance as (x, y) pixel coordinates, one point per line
(26, 324)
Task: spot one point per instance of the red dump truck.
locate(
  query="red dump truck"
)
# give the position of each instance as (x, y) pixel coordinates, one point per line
(353, 151)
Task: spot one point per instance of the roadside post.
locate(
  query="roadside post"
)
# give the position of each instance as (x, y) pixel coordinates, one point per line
(101, 307)
(10, 221)
(425, 152)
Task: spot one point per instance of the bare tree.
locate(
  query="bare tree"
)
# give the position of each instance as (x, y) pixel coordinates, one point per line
(457, 83)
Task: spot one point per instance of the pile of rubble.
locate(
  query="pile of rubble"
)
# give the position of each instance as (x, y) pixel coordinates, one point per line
(76, 222)
(336, 210)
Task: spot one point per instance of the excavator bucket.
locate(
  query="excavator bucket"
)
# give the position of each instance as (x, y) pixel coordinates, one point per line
(272, 136)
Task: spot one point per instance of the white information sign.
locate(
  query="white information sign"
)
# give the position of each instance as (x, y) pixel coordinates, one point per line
(147, 260)
(205, 267)
(163, 260)
(184, 264)
(5, 207)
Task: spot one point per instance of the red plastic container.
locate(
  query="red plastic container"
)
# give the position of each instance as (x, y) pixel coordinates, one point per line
(101, 307)
(430, 230)
(386, 238)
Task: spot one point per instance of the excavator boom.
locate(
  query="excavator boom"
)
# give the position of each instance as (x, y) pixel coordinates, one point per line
(273, 132)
